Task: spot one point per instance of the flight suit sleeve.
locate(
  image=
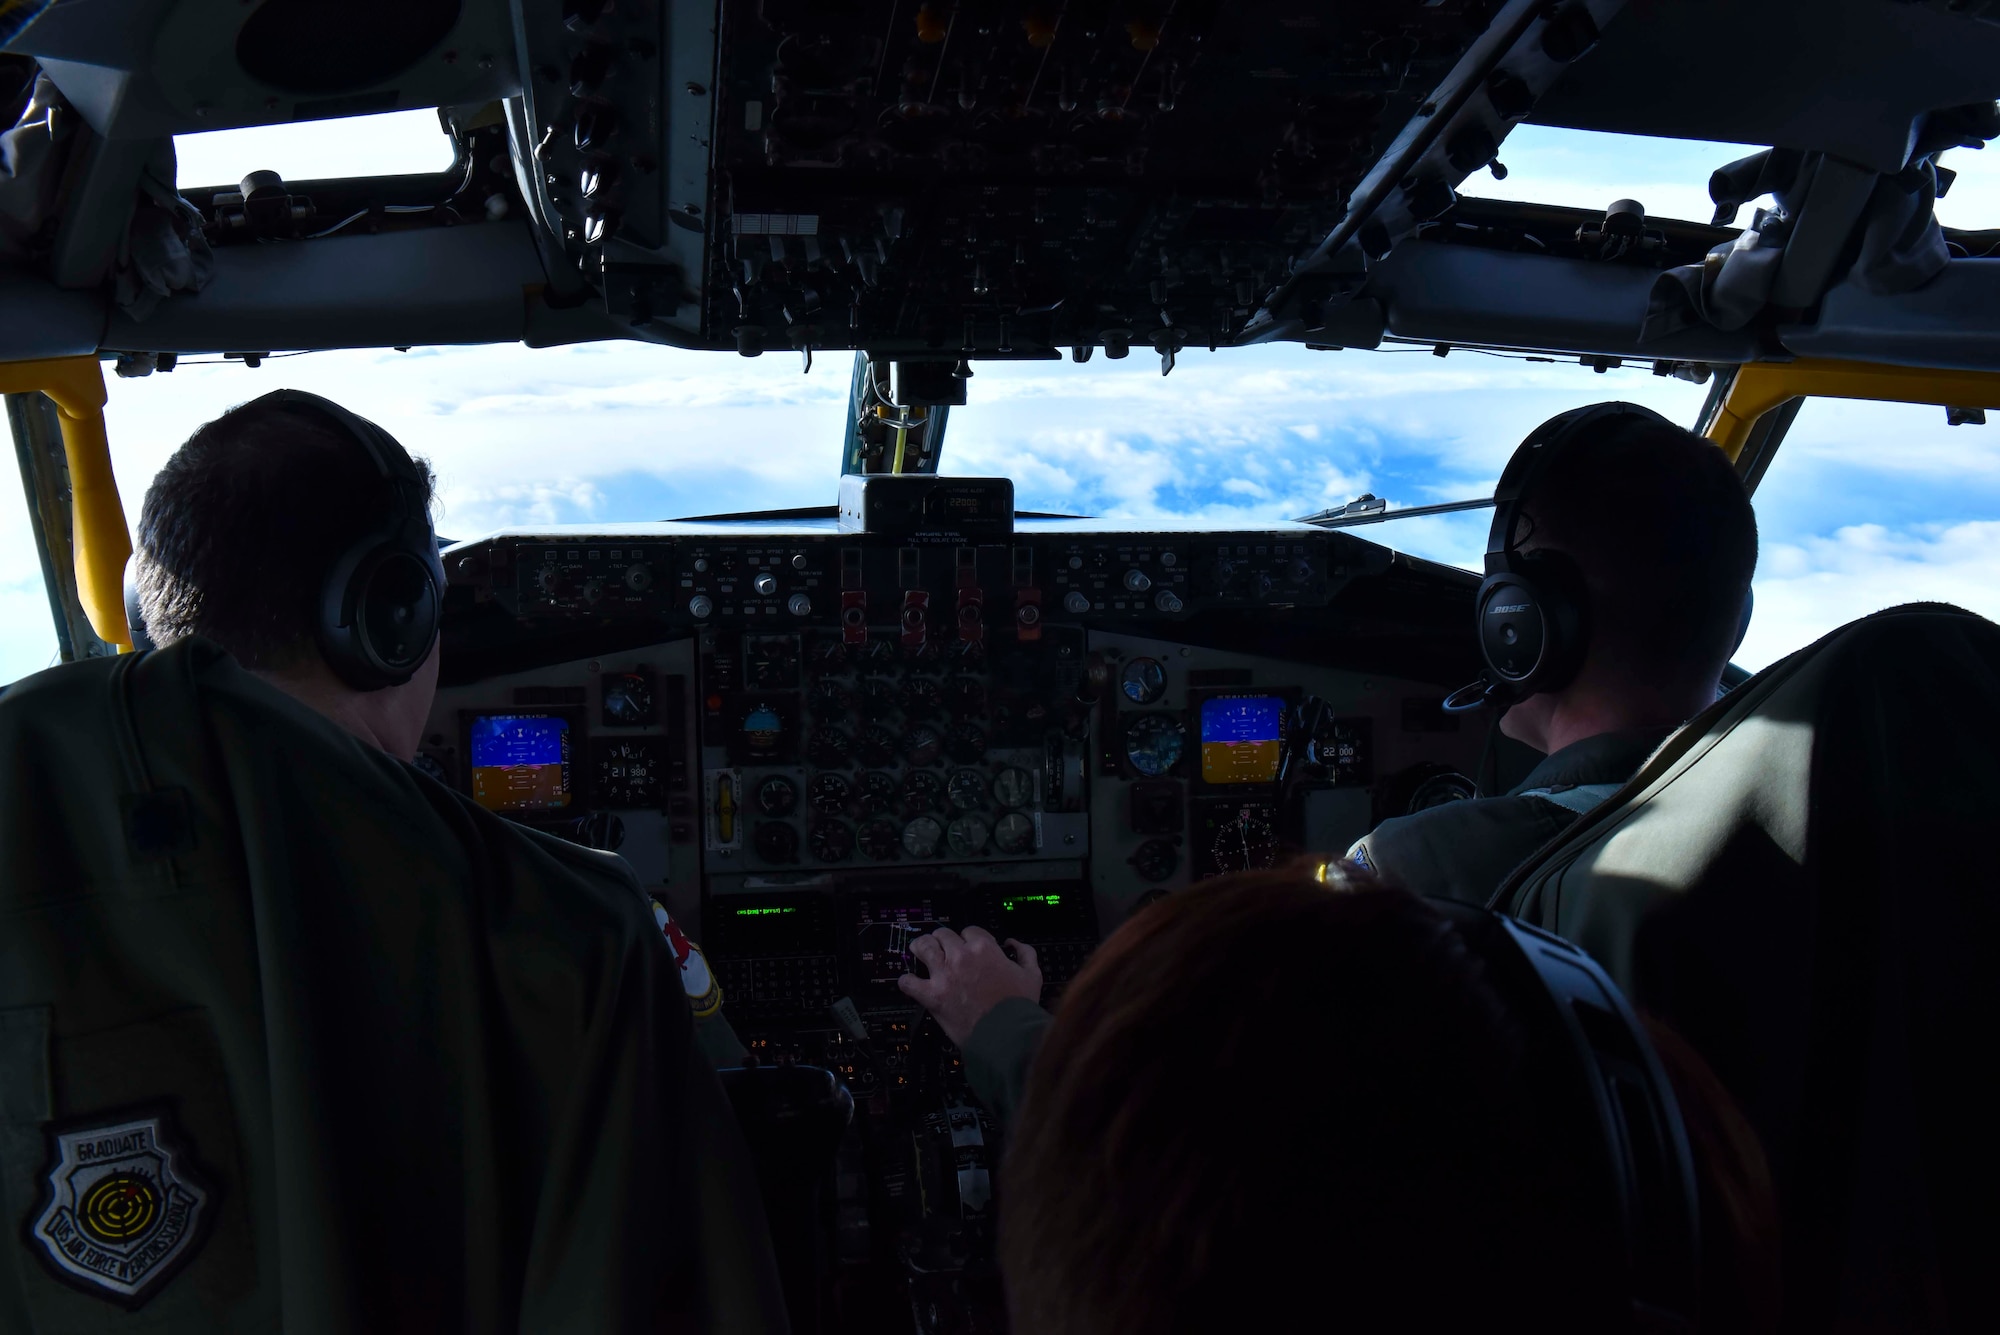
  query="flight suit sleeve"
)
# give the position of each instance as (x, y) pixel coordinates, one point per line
(999, 1053)
(713, 1033)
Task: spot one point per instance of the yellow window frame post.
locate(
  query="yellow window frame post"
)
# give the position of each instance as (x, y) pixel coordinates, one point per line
(102, 542)
(1761, 386)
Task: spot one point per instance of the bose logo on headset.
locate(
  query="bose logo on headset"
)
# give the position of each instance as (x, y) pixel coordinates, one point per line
(1502, 609)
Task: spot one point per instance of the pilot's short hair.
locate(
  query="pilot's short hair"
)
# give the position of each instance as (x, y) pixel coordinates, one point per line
(1266, 1097)
(240, 528)
(1664, 531)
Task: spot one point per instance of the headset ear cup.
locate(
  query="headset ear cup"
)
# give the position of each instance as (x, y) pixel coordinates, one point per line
(1530, 622)
(380, 610)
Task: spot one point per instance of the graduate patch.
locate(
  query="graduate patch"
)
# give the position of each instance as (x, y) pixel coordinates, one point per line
(123, 1213)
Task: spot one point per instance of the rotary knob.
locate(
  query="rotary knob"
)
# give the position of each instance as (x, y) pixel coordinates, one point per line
(701, 607)
(1076, 602)
(766, 583)
(798, 560)
(701, 565)
(593, 590)
(799, 605)
(1138, 581)
(1167, 600)
(638, 577)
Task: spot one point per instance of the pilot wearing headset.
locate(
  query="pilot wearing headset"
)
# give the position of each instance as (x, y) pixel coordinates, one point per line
(1617, 586)
(291, 1034)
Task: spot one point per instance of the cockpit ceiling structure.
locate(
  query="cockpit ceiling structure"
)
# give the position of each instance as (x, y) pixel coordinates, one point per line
(947, 181)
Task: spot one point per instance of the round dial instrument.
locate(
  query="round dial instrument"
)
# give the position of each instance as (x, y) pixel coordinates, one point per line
(1014, 788)
(878, 793)
(828, 793)
(1156, 860)
(878, 746)
(628, 699)
(880, 840)
(967, 790)
(776, 841)
(922, 791)
(967, 744)
(829, 748)
(1014, 833)
(1154, 743)
(965, 696)
(878, 698)
(922, 836)
(829, 700)
(923, 745)
(830, 840)
(777, 795)
(966, 836)
(1440, 789)
(628, 775)
(828, 657)
(920, 697)
(1244, 843)
(1143, 680)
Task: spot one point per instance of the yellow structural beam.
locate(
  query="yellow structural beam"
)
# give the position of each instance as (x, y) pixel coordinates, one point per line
(97, 517)
(1762, 386)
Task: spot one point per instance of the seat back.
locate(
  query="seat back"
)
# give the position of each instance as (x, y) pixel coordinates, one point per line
(1805, 882)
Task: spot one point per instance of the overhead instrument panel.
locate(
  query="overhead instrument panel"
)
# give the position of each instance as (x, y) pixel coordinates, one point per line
(958, 178)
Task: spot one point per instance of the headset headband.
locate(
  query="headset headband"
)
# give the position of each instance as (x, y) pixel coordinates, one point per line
(1533, 459)
(390, 459)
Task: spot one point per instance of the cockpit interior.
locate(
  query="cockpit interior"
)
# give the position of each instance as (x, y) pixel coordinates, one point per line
(817, 733)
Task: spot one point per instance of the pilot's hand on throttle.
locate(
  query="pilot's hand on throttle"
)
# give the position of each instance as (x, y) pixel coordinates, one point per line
(969, 976)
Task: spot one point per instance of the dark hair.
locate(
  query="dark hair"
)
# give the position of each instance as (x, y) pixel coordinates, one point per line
(1268, 1096)
(1663, 529)
(240, 528)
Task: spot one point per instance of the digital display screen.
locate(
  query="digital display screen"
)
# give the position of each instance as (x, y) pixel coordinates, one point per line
(1242, 738)
(520, 762)
(883, 930)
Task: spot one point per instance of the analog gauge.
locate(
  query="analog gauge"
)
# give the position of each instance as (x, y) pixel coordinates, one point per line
(878, 698)
(880, 840)
(879, 656)
(966, 837)
(827, 794)
(1440, 789)
(830, 701)
(878, 793)
(920, 697)
(1156, 860)
(922, 836)
(967, 744)
(967, 790)
(878, 746)
(1143, 680)
(1244, 843)
(777, 795)
(776, 841)
(965, 696)
(829, 748)
(830, 840)
(967, 655)
(922, 745)
(922, 791)
(1015, 833)
(629, 700)
(828, 657)
(1014, 787)
(628, 773)
(1154, 743)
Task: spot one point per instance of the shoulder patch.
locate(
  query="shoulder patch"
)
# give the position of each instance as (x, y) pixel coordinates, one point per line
(125, 1211)
(704, 994)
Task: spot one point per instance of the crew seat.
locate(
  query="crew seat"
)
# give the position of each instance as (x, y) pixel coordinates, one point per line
(1805, 882)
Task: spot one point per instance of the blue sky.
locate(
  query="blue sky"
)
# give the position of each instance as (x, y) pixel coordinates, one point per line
(1867, 505)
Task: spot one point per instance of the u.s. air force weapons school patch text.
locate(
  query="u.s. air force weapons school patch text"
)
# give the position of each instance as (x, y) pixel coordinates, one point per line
(124, 1210)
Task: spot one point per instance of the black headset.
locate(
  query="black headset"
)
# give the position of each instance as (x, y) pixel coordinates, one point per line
(1532, 614)
(1607, 1105)
(382, 600)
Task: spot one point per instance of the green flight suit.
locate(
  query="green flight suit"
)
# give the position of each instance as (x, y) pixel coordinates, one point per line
(293, 1037)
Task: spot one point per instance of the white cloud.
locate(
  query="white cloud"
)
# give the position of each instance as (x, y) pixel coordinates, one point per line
(1809, 587)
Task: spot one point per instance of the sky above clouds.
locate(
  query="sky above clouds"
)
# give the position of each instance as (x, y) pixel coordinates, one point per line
(1867, 504)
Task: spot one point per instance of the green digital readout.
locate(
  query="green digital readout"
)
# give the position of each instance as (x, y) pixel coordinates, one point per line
(1013, 902)
(761, 912)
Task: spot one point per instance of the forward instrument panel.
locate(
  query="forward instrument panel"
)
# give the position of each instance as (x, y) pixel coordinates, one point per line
(815, 746)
